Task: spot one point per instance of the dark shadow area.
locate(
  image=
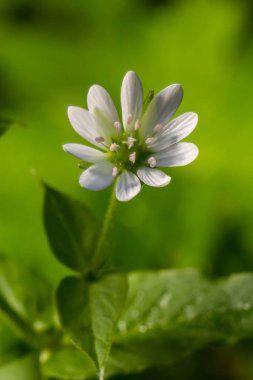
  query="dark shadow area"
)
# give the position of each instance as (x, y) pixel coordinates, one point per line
(230, 252)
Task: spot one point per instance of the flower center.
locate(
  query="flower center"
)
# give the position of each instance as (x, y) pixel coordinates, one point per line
(127, 151)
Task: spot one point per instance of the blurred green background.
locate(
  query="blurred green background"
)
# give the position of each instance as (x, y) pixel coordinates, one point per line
(51, 52)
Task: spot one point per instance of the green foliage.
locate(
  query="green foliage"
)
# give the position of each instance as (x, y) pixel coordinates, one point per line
(168, 315)
(69, 363)
(71, 229)
(25, 368)
(89, 312)
(160, 318)
(239, 290)
(26, 293)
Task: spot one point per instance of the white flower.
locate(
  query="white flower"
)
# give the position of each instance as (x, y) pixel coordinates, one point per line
(130, 153)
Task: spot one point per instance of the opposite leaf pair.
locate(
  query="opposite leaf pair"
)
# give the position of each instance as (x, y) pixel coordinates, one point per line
(159, 318)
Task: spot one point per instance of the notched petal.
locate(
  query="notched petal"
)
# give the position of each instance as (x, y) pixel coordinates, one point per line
(128, 186)
(153, 177)
(97, 177)
(179, 154)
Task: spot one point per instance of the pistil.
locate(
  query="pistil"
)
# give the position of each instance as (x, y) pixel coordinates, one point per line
(130, 142)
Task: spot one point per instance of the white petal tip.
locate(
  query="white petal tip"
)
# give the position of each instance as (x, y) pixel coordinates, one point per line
(197, 153)
(97, 177)
(165, 182)
(177, 86)
(70, 110)
(192, 156)
(153, 177)
(128, 186)
(130, 72)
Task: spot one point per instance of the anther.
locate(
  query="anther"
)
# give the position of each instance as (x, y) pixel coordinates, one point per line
(132, 157)
(152, 162)
(114, 147)
(158, 128)
(150, 140)
(137, 125)
(99, 139)
(114, 171)
(117, 126)
(129, 119)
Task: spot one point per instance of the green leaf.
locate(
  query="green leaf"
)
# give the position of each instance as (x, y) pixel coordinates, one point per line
(25, 368)
(239, 292)
(69, 363)
(23, 291)
(89, 312)
(71, 229)
(170, 314)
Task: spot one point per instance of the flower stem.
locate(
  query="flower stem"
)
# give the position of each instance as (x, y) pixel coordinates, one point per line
(100, 254)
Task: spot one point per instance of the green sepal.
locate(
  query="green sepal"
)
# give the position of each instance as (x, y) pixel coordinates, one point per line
(147, 100)
(83, 165)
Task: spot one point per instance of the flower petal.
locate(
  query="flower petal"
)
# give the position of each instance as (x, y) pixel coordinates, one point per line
(176, 130)
(85, 153)
(153, 177)
(131, 99)
(97, 177)
(128, 186)
(179, 154)
(98, 98)
(161, 108)
(86, 125)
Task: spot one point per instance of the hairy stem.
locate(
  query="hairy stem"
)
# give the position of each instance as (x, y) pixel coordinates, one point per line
(101, 246)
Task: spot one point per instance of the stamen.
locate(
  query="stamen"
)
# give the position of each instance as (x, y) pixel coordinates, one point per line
(129, 119)
(132, 157)
(152, 162)
(99, 139)
(114, 171)
(117, 126)
(158, 128)
(150, 140)
(130, 142)
(137, 125)
(114, 147)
